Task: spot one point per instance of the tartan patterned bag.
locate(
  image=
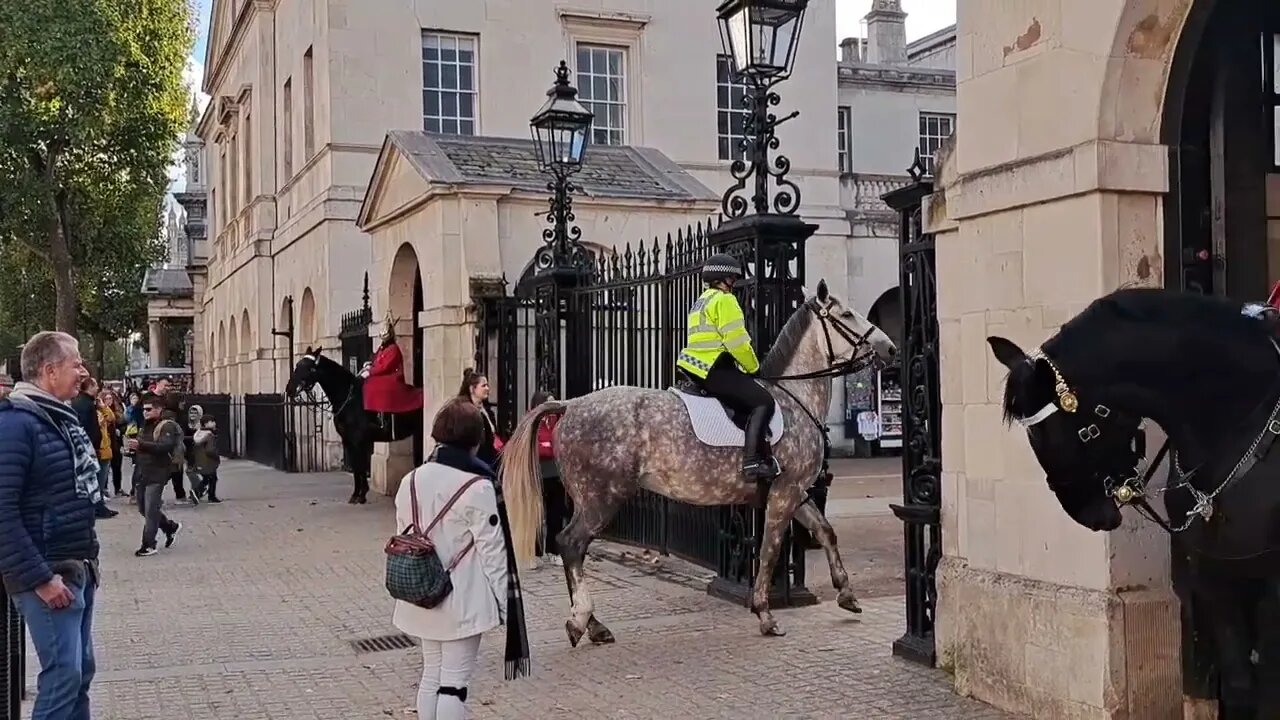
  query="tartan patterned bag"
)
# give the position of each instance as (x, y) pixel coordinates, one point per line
(415, 573)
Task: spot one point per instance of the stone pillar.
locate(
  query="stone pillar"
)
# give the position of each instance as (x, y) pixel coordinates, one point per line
(156, 339)
(1044, 206)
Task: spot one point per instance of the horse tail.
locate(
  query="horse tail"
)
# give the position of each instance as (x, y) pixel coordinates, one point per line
(521, 478)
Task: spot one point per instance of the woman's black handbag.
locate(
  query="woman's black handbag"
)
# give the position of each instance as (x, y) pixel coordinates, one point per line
(415, 573)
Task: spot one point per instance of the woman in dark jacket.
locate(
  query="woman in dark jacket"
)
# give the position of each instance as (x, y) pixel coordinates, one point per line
(475, 388)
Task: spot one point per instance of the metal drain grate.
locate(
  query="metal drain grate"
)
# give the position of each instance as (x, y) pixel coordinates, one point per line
(384, 643)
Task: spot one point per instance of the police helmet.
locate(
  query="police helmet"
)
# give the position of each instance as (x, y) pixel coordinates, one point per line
(720, 267)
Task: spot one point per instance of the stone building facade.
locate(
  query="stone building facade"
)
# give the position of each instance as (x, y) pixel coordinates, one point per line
(283, 184)
(1100, 144)
(304, 92)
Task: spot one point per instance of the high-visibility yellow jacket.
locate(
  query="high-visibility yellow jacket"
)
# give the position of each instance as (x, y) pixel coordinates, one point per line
(716, 326)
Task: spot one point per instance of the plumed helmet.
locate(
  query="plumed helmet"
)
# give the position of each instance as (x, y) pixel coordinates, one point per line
(721, 267)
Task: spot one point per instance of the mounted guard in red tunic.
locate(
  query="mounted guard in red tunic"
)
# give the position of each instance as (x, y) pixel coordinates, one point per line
(385, 390)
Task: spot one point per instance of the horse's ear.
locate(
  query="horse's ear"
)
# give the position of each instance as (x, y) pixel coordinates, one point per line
(1009, 354)
(309, 351)
(823, 293)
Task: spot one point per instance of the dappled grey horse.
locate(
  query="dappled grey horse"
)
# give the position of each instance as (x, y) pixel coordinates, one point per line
(615, 441)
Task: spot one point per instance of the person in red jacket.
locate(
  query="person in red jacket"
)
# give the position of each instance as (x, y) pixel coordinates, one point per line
(385, 390)
(554, 500)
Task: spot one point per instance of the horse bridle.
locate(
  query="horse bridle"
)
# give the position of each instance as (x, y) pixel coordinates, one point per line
(835, 366)
(1129, 489)
(1132, 490)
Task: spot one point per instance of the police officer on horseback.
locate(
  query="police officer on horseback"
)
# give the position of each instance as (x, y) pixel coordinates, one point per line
(718, 356)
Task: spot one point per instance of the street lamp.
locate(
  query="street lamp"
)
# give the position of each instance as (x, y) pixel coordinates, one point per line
(561, 131)
(761, 37)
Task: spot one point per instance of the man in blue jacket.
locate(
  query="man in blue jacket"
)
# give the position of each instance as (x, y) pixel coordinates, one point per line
(48, 545)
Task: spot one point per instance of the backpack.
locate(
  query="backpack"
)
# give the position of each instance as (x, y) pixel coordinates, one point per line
(179, 452)
(415, 573)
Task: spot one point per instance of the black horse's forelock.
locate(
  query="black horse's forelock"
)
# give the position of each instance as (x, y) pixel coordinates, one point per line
(1018, 386)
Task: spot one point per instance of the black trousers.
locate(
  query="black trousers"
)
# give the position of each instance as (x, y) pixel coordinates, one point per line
(556, 504)
(117, 471)
(742, 394)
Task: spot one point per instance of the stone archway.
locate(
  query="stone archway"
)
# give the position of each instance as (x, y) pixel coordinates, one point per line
(886, 314)
(307, 321)
(248, 351)
(1219, 123)
(404, 303)
(233, 357)
(220, 359)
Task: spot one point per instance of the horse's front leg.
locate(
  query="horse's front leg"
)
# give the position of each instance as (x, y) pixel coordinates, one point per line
(1268, 634)
(783, 499)
(1230, 610)
(818, 526)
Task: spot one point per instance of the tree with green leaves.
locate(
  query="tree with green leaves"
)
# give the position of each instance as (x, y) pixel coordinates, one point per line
(92, 102)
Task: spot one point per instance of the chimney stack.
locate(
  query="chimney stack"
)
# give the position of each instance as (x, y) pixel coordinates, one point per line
(851, 50)
(886, 33)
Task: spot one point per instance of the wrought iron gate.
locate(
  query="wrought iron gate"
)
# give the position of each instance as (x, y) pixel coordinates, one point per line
(357, 346)
(920, 510)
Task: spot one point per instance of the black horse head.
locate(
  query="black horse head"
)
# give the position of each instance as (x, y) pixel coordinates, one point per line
(1185, 361)
(1087, 448)
(307, 373)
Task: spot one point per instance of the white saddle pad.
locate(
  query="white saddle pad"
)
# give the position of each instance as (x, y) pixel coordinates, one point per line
(712, 425)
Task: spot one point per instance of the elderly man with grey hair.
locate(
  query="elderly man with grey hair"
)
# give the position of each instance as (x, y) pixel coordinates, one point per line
(48, 544)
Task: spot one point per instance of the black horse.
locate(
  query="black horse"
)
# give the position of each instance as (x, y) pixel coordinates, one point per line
(358, 428)
(1209, 375)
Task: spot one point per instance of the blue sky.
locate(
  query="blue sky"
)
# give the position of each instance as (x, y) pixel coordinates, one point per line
(202, 14)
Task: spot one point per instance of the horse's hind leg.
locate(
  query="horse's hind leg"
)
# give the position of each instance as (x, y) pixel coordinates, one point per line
(778, 513)
(818, 526)
(573, 540)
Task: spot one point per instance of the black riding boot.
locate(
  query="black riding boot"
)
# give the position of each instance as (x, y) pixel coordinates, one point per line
(757, 457)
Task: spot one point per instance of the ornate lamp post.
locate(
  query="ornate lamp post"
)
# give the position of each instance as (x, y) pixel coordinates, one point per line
(761, 36)
(561, 131)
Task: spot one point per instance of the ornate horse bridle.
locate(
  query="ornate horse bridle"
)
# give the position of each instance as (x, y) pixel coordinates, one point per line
(1132, 490)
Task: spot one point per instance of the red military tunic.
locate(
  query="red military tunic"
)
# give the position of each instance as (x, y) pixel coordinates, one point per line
(385, 389)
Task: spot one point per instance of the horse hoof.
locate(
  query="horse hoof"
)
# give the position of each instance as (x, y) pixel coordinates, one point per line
(772, 629)
(847, 601)
(362, 500)
(601, 635)
(575, 635)
(353, 499)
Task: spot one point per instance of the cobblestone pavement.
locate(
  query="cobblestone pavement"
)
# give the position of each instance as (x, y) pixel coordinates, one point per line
(252, 614)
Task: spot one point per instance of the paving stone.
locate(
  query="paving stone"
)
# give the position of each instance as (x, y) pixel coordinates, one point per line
(251, 617)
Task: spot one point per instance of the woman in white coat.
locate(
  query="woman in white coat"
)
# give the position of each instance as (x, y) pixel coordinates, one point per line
(485, 586)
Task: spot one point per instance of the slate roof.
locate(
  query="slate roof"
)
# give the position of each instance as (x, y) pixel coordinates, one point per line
(609, 171)
(174, 282)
